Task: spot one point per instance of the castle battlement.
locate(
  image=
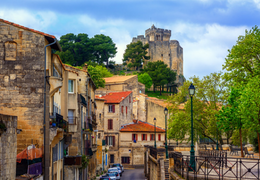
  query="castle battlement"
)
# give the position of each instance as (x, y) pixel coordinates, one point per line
(153, 29)
(175, 42)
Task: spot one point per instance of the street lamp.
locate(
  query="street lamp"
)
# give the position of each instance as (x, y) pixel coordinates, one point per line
(154, 120)
(166, 147)
(192, 152)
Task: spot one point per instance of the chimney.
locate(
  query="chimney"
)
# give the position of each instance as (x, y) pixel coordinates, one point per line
(85, 68)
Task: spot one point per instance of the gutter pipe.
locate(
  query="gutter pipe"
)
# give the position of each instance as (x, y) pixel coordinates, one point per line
(46, 148)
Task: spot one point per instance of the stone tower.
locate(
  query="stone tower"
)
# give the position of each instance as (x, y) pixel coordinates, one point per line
(164, 49)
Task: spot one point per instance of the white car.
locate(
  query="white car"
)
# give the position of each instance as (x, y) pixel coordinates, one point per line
(114, 170)
(112, 175)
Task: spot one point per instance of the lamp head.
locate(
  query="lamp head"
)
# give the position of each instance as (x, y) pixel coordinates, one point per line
(165, 111)
(154, 120)
(191, 90)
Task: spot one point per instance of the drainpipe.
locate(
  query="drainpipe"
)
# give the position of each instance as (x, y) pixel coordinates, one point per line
(81, 130)
(46, 144)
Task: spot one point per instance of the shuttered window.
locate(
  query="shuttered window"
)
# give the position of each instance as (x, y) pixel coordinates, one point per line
(125, 160)
(111, 108)
(159, 137)
(134, 137)
(110, 140)
(110, 124)
(144, 137)
(151, 137)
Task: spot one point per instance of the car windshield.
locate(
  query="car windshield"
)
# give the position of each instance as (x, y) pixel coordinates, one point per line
(115, 165)
(111, 174)
(112, 170)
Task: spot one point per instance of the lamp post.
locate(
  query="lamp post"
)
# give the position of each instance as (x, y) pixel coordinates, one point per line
(192, 152)
(154, 120)
(217, 138)
(166, 147)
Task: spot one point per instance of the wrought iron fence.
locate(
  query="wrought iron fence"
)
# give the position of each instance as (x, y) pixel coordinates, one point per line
(218, 167)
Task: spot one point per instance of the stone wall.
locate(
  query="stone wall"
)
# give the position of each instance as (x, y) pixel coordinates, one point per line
(8, 147)
(22, 81)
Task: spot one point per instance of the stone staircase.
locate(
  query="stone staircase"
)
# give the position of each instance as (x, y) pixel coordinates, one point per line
(166, 169)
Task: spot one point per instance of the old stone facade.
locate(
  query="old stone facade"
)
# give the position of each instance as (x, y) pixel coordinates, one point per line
(8, 146)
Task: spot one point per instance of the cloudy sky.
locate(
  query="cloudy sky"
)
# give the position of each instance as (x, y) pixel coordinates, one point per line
(206, 29)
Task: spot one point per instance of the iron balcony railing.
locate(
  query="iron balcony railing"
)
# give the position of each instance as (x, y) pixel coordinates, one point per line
(59, 122)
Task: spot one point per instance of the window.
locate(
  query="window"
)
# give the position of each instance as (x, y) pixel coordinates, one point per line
(110, 124)
(144, 137)
(122, 109)
(134, 137)
(99, 115)
(162, 55)
(159, 137)
(126, 109)
(111, 108)
(99, 135)
(71, 116)
(151, 137)
(110, 140)
(129, 99)
(71, 86)
(125, 160)
(112, 158)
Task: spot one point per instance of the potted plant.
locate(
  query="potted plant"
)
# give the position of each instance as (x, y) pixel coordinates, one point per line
(54, 122)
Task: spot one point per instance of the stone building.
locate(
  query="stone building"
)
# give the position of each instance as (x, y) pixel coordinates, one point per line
(164, 49)
(117, 110)
(133, 137)
(79, 106)
(22, 67)
(8, 146)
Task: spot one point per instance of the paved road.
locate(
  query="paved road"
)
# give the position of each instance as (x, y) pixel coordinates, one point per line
(133, 174)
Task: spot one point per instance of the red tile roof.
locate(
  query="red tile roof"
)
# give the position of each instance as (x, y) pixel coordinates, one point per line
(117, 79)
(116, 97)
(29, 29)
(140, 126)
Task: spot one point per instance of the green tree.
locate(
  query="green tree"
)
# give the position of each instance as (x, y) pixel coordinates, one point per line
(103, 48)
(103, 71)
(211, 93)
(160, 73)
(229, 117)
(250, 106)
(243, 60)
(76, 49)
(135, 54)
(146, 80)
(96, 76)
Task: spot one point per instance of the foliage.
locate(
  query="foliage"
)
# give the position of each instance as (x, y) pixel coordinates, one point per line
(2, 126)
(211, 93)
(78, 49)
(146, 80)
(96, 77)
(135, 54)
(103, 49)
(104, 72)
(85, 161)
(243, 60)
(157, 94)
(160, 73)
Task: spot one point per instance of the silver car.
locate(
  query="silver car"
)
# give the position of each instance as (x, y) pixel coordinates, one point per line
(112, 175)
(114, 170)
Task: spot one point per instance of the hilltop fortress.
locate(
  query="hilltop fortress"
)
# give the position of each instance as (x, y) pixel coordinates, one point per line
(164, 49)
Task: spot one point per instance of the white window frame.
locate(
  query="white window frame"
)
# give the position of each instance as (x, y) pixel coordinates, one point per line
(72, 86)
(110, 108)
(110, 140)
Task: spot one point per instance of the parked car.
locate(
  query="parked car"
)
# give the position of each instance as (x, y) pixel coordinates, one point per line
(113, 175)
(115, 169)
(105, 178)
(119, 165)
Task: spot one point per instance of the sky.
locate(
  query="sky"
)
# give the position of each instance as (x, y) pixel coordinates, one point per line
(205, 29)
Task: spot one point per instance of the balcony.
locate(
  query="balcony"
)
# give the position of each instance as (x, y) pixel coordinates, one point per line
(88, 125)
(73, 161)
(72, 124)
(58, 122)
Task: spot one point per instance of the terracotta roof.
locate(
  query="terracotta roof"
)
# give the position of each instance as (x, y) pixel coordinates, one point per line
(118, 78)
(75, 68)
(116, 97)
(98, 97)
(140, 126)
(72, 71)
(29, 29)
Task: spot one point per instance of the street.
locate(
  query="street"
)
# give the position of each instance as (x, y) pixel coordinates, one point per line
(133, 174)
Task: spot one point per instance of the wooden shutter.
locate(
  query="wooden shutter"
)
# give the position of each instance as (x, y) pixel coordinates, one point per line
(133, 137)
(113, 108)
(136, 137)
(111, 123)
(159, 137)
(108, 124)
(142, 137)
(113, 140)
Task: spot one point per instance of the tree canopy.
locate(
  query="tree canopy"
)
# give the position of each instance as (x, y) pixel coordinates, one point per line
(78, 49)
(135, 54)
(145, 79)
(160, 73)
(211, 93)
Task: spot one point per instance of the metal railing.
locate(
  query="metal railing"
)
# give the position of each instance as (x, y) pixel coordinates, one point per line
(209, 167)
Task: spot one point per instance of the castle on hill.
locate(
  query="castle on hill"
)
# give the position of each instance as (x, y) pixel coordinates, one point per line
(164, 49)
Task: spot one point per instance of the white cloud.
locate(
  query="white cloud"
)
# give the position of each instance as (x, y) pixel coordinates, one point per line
(38, 21)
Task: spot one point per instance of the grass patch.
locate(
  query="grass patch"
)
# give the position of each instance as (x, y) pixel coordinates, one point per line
(157, 94)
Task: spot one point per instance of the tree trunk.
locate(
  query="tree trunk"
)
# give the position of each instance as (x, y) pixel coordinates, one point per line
(160, 90)
(240, 133)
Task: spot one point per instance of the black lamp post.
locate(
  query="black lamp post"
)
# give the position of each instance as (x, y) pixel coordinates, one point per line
(154, 120)
(192, 152)
(166, 147)
(217, 138)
